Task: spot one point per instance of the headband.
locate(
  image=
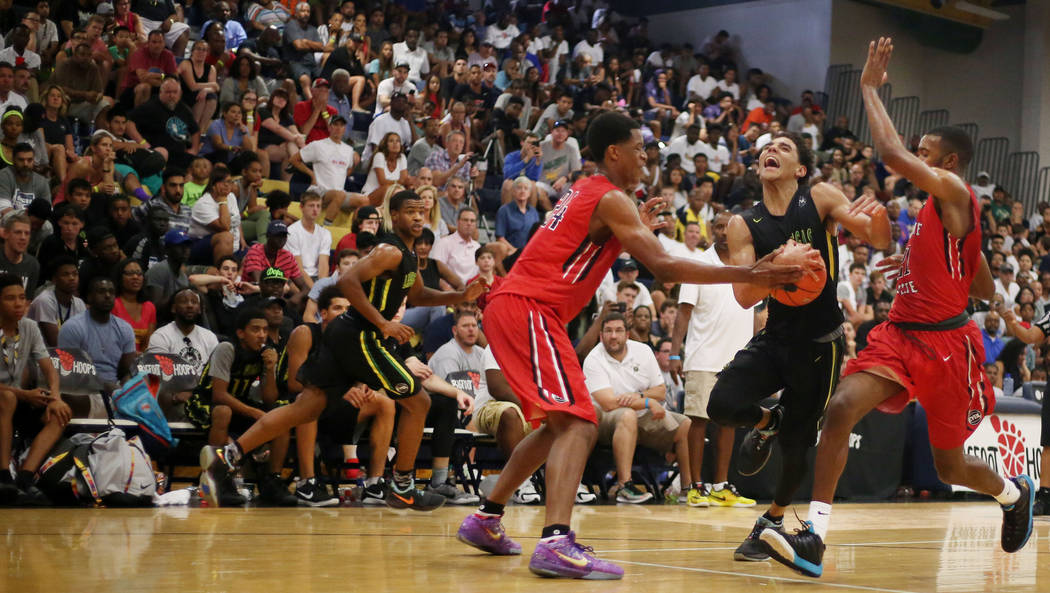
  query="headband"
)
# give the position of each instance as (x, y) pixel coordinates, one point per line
(11, 112)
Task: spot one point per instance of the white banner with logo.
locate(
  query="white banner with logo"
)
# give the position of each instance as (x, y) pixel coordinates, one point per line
(1009, 444)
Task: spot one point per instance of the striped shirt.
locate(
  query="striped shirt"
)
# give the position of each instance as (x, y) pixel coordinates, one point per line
(257, 260)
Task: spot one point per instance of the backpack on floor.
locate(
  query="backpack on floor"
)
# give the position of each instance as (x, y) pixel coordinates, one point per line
(106, 469)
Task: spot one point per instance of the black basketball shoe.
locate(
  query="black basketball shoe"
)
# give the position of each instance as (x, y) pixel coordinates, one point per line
(802, 552)
(1017, 518)
(757, 446)
(752, 549)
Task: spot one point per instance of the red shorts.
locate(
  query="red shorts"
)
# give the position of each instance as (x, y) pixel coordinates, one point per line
(534, 352)
(941, 369)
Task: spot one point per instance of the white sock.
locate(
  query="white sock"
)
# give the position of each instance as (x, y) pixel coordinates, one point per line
(1010, 494)
(718, 486)
(372, 481)
(820, 517)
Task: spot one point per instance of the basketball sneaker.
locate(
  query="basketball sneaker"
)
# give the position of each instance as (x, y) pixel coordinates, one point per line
(699, 495)
(273, 492)
(562, 557)
(802, 552)
(311, 493)
(630, 494)
(752, 549)
(1042, 502)
(486, 533)
(454, 495)
(374, 495)
(1017, 518)
(216, 481)
(757, 446)
(728, 496)
(527, 494)
(584, 495)
(412, 498)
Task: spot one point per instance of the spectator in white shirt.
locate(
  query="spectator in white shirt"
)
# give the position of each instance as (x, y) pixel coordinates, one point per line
(503, 32)
(332, 160)
(590, 46)
(309, 242)
(702, 84)
(409, 52)
(729, 83)
(183, 337)
(687, 146)
(458, 249)
(628, 391)
(215, 220)
(397, 83)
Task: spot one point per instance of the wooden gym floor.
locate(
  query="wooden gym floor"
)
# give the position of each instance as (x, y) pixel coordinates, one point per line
(874, 547)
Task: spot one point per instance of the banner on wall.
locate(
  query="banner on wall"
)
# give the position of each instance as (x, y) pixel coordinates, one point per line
(1009, 444)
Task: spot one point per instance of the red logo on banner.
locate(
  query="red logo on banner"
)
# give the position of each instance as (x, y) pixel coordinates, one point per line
(1011, 445)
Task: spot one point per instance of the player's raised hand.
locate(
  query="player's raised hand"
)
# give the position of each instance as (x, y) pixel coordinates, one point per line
(399, 331)
(879, 53)
(475, 289)
(890, 266)
(867, 204)
(649, 212)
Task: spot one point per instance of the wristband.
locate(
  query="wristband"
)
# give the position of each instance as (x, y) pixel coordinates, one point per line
(646, 402)
(674, 357)
(94, 188)
(143, 141)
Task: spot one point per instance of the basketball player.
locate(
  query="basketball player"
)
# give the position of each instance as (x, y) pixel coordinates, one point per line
(800, 349)
(352, 351)
(557, 274)
(929, 349)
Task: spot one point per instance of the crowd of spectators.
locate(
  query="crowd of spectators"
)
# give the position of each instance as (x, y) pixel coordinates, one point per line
(138, 138)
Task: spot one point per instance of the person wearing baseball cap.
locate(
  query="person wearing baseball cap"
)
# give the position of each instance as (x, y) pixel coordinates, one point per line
(312, 114)
(398, 82)
(272, 254)
(165, 278)
(333, 161)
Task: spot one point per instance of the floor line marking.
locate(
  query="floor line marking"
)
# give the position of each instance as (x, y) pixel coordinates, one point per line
(766, 577)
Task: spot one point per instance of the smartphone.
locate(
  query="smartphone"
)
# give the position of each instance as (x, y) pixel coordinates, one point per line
(620, 307)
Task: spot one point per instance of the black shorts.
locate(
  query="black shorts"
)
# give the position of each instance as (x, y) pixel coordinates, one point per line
(351, 353)
(28, 421)
(807, 371)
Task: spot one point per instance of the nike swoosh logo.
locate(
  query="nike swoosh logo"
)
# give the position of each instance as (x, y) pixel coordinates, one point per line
(823, 513)
(817, 359)
(408, 500)
(758, 219)
(580, 562)
(493, 534)
(947, 357)
(307, 497)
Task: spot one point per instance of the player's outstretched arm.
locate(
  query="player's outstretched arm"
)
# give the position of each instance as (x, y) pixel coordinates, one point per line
(617, 211)
(866, 217)
(1028, 335)
(937, 182)
(421, 296)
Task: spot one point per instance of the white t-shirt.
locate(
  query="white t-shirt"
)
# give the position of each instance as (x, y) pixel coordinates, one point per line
(501, 38)
(681, 146)
(308, 246)
(732, 89)
(418, 62)
(681, 122)
(490, 364)
(719, 327)
(331, 161)
(383, 125)
(595, 51)
(560, 50)
(701, 87)
(379, 160)
(206, 210)
(637, 372)
(32, 59)
(387, 87)
(169, 339)
(673, 247)
(716, 157)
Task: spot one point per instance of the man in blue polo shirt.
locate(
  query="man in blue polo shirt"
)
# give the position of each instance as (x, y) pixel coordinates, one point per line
(515, 218)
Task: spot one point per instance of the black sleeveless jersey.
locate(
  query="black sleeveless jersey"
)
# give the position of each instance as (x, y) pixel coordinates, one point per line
(802, 223)
(388, 290)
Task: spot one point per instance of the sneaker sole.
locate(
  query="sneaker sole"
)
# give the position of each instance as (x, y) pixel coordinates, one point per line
(1031, 505)
(373, 502)
(699, 505)
(732, 505)
(780, 551)
(741, 557)
(209, 486)
(594, 575)
(486, 549)
(645, 498)
(331, 502)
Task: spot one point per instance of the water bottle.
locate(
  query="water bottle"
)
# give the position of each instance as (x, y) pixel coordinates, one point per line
(1008, 384)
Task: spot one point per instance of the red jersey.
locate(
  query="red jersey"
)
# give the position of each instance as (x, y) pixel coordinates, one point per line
(561, 267)
(935, 278)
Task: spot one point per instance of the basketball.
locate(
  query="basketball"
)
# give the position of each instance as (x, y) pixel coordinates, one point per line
(812, 283)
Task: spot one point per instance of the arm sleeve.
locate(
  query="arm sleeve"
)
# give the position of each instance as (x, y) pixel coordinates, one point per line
(221, 361)
(513, 165)
(442, 363)
(127, 335)
(689, 294)
(157, 343)
(595, 375)
(37, 348)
